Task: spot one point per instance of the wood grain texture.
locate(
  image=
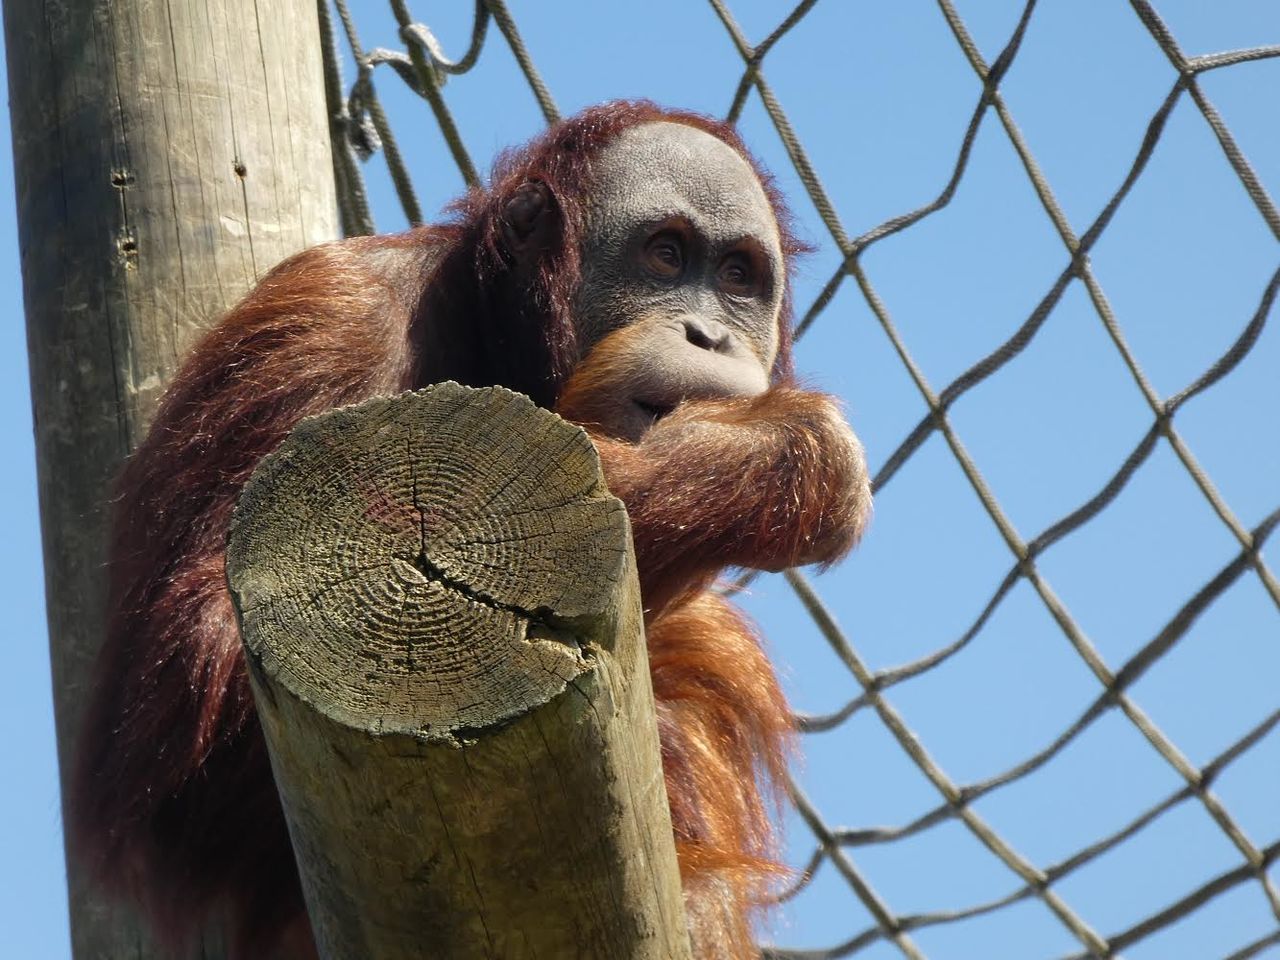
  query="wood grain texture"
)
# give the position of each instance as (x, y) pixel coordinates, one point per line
(439, 603)
(167, 154)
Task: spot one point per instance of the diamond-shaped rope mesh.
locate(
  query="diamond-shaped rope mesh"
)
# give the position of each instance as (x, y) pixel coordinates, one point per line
(361, 128)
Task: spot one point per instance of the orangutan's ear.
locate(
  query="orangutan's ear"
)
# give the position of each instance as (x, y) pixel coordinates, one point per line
(530, 222)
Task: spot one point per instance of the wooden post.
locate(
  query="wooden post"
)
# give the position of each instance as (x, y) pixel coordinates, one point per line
(439, 603)
(167, 153)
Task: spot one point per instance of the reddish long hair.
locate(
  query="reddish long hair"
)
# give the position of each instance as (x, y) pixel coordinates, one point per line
(173, 797)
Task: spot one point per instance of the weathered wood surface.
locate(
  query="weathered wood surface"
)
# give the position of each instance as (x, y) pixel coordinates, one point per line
(440, 608)
(166, 155)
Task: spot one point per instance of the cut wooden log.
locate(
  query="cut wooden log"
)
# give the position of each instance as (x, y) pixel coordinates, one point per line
(440, 608)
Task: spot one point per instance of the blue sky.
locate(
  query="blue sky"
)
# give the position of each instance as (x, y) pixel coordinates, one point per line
(879, 95)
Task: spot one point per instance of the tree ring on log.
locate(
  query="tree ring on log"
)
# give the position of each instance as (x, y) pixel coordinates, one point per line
(381, 541)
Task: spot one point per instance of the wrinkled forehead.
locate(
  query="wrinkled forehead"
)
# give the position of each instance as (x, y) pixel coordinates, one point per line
(656, 170)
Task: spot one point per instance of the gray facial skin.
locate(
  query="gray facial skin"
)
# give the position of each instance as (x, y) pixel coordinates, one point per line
(680, 239)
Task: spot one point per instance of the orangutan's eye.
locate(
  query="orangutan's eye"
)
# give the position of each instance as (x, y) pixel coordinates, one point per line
(737, 276)
(664, 255)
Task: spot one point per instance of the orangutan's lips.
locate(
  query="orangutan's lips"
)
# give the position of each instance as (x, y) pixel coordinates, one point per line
(654, 411)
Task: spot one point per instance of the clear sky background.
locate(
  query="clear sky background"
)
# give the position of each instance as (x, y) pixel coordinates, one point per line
(880, 94)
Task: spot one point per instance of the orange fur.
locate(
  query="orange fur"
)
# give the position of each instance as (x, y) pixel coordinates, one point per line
(174, 804)
(726, 732)
(768, 481)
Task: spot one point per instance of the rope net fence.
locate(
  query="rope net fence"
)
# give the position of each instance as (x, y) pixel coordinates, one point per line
(418, 63)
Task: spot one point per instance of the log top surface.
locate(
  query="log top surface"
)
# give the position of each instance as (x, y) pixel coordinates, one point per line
(375, 556)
